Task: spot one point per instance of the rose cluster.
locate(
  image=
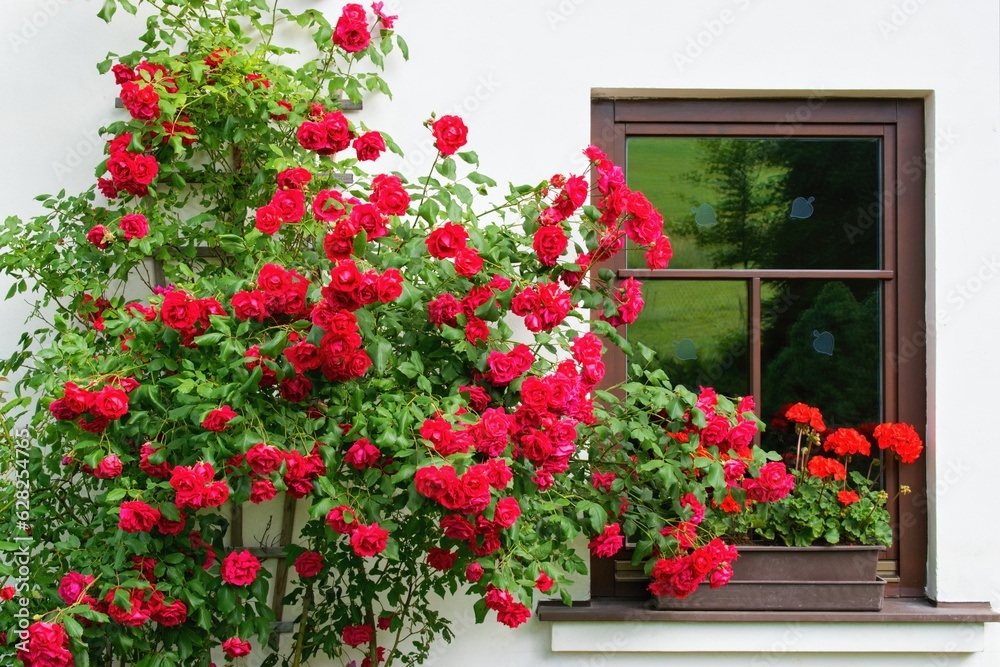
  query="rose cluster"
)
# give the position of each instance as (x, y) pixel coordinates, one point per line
(680, 575)
(131, 172)
(94, 410)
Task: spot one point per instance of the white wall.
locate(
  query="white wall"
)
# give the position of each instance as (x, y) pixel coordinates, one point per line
(521, 73)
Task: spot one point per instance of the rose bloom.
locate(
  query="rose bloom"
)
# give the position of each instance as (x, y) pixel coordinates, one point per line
(218, 419)
(362, 454)
(264, 459)
(514, 615)
(544, 583)
(109, 467)
(239, 568)
(659, 254)
(388, 195)
(261, 491)
(549, 243)
(450, 134)
(441, 559)
(47, 645)
(608, 543)
(351, 35)
(507, 512)
(474, 572)
(369, 540)
(356, 635)
(134, 226)
(100, 236)
(235, 647)
(308, 564)
(110, 402)
(136, 516)
(369, 146)
(73, 586)
(337, 520)
(446, 241)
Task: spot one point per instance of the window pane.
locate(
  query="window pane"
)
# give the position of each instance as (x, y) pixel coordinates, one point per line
(698, 329)
(821, 345)
(763, 203)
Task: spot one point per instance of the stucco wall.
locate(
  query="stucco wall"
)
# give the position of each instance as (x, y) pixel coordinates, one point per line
(522, 73)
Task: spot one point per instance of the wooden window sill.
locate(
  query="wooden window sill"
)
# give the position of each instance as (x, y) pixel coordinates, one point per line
(905, 625)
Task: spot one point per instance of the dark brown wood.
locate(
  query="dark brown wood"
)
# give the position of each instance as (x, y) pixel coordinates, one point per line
(898, 610)
(784, 115)
(236, 526)
(911, 366)
(281, 575)
(749, 130)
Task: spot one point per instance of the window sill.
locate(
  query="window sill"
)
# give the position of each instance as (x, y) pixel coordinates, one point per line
(905, 625)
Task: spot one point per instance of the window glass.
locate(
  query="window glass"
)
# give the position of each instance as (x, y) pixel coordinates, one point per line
(800, 203)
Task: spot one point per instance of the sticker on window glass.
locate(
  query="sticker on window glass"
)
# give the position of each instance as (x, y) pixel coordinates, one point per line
(802, 208)
(823, 342)
(704, 215)
(684, 350)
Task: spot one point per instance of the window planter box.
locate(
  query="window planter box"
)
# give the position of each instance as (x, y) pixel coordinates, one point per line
(779, 578)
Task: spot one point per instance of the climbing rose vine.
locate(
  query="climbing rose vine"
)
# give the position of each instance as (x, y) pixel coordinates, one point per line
(415, 362)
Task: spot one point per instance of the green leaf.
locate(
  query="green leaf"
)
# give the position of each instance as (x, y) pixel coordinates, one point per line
(108, 10)
(114, 495)
(226, 598)
(73, 627)
(469, 157)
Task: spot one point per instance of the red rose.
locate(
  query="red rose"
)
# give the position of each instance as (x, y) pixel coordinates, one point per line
(239, 568)
(134, 226)
(362, 455)
(389, 195)
(7, 593)
(369, 540)
(514, 615)
(168, 527)
(295, 389)
(137, 613)
(544, 583)
(268, 219)
(47, 645)
(216, 493)
(441, 559)
(608, 543)
(100, 236)
(350, 35)
(73, 587)
(342, 520)
(450, 134)
(659, 254)
(218, 419)
(109, 467)
(293, 179)
(61, 411)
(262, 490)
(179, 311)
(308, 564)
(468, 262)
(235, 647)
(311, 136)
(446, 241)
(356, 635)
(474, 572)
(136, 516)
(369, 146)
(110, 402)
(549, 243)
(289, 204)
(170, 615)
(389, 286)
(507, 512)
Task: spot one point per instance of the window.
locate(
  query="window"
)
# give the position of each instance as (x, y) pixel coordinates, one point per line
(798, 270)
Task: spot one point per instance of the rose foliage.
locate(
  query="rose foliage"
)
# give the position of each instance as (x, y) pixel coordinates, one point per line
(413, 360)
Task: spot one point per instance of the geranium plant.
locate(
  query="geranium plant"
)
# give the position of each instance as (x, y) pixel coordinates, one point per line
(825, 499)
(414, 360)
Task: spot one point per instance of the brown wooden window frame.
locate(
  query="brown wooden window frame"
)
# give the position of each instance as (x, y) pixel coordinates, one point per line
(900, 125)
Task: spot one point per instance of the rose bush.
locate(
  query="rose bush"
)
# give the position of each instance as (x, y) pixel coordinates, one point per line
(411, 359)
